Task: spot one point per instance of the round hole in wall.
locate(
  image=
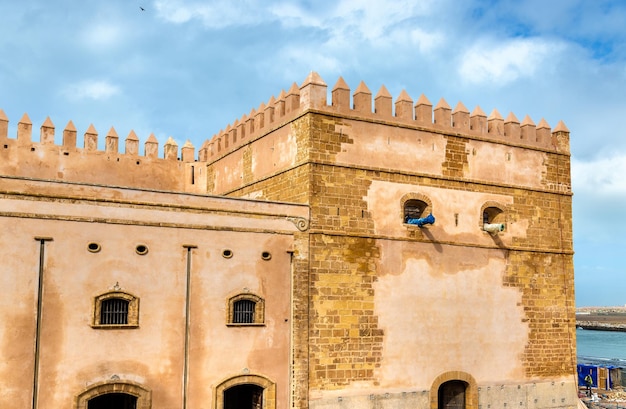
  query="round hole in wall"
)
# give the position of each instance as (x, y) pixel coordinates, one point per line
(266, 255)
(141, 249)
(227, 253)
(94, 247)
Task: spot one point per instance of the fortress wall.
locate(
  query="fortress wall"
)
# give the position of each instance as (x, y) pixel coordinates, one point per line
(404, 112)
(384, 312)
(23, 156)
(408, 135)
(412, 137)
(74, 356)
(497, 307)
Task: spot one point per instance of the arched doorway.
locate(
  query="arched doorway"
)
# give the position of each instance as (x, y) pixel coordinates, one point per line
(245, 392)
(451, 395)
(113, 401)
(246, 396)
(454, 390)
(114, 394)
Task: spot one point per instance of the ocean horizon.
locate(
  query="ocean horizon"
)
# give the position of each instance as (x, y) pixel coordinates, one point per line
(601, 347)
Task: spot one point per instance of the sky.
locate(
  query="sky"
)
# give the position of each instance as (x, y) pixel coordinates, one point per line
(188, 68)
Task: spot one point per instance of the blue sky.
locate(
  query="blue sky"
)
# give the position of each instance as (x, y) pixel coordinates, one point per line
(188, 68)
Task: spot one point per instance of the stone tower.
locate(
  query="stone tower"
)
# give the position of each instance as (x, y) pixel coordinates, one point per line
(392, 313)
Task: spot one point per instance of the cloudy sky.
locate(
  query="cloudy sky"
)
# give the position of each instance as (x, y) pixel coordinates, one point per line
(188, 68)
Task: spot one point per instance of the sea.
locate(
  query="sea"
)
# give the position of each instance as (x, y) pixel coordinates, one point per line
(601, 347)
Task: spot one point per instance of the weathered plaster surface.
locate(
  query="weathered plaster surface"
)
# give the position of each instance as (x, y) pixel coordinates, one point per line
(275, 151)
(229, 175)
(457, 212)
(79, 165)
(505, 164)
(443, 311)
(73, 355)
(391, 147)
(17, 304)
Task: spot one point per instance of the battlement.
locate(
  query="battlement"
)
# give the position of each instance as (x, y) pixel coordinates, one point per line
(312, 95)
(90, 140)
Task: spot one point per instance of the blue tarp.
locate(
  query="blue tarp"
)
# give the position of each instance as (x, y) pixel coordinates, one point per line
(584, 370)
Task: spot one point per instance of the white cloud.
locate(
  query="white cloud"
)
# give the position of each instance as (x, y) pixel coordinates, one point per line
(290, 15)
(600, 177)
(425, 41)
(91, 89)
(351, 22)
(491, 62)
(599, 190)
(101, 35)
(374, 20)
(214, 14)
(299, 61)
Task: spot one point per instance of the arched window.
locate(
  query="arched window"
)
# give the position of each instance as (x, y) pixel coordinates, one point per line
(493, 218)
(414, 209)
(417, 210)
(246, 309)
(245, 391)
(114, 393)
(243, 311)
(113, 400)
(248, 396)
(116, 309)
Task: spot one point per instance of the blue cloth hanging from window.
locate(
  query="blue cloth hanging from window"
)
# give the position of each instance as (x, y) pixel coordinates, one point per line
(430, 219)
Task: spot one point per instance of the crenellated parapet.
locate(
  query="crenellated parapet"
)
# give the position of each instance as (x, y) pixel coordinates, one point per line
(90, 140)
(404, 111)
(359, 105)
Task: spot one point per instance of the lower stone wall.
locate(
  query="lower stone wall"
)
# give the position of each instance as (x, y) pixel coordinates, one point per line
(397, 400)
(558, 394)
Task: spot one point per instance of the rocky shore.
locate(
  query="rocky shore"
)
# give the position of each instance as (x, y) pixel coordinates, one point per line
(601, 318)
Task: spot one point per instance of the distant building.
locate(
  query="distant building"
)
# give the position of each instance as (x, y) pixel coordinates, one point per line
(359, 253)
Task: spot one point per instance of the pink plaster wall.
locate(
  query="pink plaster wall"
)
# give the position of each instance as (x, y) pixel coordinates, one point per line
(74, 355)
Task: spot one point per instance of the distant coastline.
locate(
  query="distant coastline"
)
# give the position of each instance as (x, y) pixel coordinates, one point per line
(601, 318)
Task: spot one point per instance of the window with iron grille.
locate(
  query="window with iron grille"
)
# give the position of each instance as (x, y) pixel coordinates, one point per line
(245, 309)
(114, 311)
(243, 312)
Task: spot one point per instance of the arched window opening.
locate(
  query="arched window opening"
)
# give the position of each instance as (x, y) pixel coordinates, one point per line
(114, 311)
(493, 219)
(246, 309)
(246, 396)
(113, 400)
(245, 392)
(451, 395)
(414, 209)
(243, 312)
(114, 394)
(417, 212)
